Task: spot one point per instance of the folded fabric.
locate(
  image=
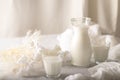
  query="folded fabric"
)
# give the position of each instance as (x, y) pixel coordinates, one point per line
(78, 76)
(106, 71)
(114, 53)
(102, 71)
(65, 39)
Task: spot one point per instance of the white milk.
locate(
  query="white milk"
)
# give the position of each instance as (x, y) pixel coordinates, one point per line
(52, 65)
(100, 53)
(81, 46)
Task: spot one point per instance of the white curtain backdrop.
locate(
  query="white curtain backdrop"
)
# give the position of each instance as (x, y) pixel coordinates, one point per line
(53, 16)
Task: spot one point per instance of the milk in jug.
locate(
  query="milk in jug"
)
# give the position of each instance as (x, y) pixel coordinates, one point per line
(81, 47)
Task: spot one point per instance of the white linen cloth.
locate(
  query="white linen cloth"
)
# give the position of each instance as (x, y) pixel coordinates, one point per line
(47, 41)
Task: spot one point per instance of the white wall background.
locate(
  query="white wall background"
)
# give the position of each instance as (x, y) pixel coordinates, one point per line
(53, 16)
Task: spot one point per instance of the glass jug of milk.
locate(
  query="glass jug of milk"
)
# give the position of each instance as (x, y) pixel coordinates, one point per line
(81, 47)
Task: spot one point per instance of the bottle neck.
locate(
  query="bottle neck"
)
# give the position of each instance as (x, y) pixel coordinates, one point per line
(88, 21)
(81, 21)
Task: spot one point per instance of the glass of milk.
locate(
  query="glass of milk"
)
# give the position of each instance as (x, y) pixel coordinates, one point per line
(101, 49)
(52, 66)
(100, 53)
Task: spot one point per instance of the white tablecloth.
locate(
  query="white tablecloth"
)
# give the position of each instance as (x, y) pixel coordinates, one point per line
(48, 41)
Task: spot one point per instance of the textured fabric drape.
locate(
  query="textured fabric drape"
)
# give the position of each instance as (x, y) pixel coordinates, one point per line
(53, 16)
(105, 13)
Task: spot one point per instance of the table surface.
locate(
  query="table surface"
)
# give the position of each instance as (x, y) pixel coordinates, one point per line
(48, 41)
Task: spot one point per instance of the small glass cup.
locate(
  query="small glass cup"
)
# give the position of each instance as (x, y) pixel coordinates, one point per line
(101, 48)
(52, 65)
(100, 53)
